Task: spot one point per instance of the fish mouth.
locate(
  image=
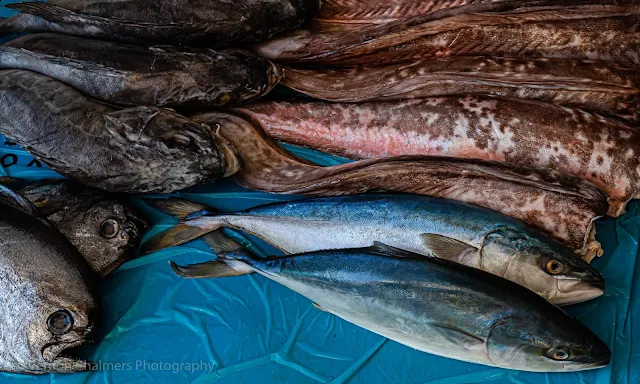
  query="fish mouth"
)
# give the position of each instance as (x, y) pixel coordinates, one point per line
(577, 291)
(53, 354)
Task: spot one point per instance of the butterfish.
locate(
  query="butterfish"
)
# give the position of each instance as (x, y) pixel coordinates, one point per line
(47, 297)
(561, 205)
(469, 235)
(587, 145)
(137, 149)
(428, 304)
(213, 24)
(591, 85)
(134, 75)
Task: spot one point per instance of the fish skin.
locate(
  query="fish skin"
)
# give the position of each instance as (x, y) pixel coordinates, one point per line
(586, 145)
(140, 149)
(136, 75)
(497, 243)
(214, 24)
(561, 205)
(433, 306)
(41, 274)
(591, 85)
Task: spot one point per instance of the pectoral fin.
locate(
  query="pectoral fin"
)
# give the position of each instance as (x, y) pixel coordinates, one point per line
(457, 336)
(12, 199)
(319, 308)
(444, 247)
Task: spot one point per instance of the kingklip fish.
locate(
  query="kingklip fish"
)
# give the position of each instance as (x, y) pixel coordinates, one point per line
(46, 293)
(601, 150)
(215, 23)
(428, 304)
(447, 229)
(591, 85)
(127, 74)
(137, 149)
(561, 205)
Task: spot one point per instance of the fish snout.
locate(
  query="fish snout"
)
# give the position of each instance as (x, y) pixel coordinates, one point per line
(577, 291)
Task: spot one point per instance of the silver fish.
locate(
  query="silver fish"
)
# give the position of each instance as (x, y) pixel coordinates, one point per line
(447, 229)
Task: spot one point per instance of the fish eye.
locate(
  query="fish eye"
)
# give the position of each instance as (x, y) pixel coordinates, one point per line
(560, 354)
(109, 228)
(177, 140)
(554, 267)
(60, 322)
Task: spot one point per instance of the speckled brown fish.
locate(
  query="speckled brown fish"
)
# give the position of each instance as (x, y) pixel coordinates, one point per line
(606, 32)
(212, 23)
(562, 205)
(129, 74)
(600, 150)
(586, 84)
(138, 149)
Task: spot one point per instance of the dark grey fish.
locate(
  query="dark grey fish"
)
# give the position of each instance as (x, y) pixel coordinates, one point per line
(212, 23)
(139, 149)
(46, 294)
(432, 305)
(135, 75)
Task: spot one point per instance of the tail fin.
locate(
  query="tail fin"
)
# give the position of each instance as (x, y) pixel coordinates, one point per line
(221, 244)
(178, 208)
(177, 235)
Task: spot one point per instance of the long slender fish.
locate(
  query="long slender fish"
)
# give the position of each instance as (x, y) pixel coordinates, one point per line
(215, 23)
(429, 304)
(134, 75)
(469, 235)
(595, 148)
(559, 204)
(585, 84)
(139, 149)
(46, 293)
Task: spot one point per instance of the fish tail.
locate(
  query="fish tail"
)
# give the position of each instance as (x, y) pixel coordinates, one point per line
(178, 208)
(177, 235)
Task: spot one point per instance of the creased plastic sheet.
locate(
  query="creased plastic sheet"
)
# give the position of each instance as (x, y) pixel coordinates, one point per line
(157, 327)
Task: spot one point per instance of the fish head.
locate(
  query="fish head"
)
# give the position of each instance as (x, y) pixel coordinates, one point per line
(541, 264)
(551, 343)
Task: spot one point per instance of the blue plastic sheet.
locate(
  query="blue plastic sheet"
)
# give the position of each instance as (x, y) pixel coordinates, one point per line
(160, 328)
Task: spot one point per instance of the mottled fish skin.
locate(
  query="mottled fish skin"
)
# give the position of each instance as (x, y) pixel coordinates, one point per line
(447, 33)
(140, 149)
(595, 148)
(213, 24)
(42, 275)
(105, 228)
(490, 241)
(591, 85)
(561, 205)
(128, 74)
(434, 306)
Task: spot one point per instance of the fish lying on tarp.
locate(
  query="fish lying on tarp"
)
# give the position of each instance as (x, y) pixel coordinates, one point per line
(46, 293)
(426, 303)
(136, 75)
(137, 149)
(587, 145)
(211, 23)
(584, 32)
(592, 85)
(561, 205)
(447, 229)
(105, 228)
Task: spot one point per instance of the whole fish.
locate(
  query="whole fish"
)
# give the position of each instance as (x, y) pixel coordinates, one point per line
(213, 23)
(138, 149)
(46, 293)
(584, 32)
(106, 229)
(595, 148)
(469, 235)
(561, 205)
(135, 75)
(429, 304)
(574, 83)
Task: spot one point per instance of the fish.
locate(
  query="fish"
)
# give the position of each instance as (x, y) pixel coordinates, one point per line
(561, 205)
(432, 305)
(128, 150)
(47, 293)
(591, 146)
(136, 75)
(447, 229)
(214, 24)
(582, 32)
(591, 85)
(104, 228)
